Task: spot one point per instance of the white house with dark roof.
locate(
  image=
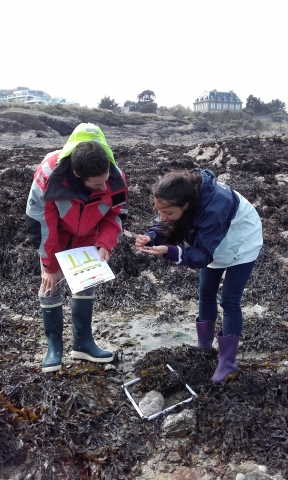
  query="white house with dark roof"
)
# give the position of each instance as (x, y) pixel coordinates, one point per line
(213, 101)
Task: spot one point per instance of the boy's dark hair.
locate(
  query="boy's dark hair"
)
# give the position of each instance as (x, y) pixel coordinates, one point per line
(179, 188)
(89, 159)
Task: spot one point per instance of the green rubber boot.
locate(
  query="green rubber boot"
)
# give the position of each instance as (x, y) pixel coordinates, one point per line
(84, 347)
(53, 328)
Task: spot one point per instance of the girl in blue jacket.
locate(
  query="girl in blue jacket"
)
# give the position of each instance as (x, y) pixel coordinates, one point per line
(205, 224)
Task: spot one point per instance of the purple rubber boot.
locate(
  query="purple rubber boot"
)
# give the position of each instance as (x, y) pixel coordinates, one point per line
(205, 333)
(227, 347)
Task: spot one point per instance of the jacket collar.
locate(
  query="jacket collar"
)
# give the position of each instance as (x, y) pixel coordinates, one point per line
(57, 190)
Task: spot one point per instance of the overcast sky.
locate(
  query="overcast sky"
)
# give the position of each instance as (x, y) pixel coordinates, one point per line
(118, 48)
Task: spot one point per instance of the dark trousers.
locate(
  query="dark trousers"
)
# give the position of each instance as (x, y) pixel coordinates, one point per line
(234, 283)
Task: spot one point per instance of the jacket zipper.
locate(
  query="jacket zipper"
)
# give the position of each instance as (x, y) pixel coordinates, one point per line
(80, 213)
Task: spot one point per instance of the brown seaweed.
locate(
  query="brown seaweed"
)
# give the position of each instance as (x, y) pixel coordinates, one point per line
(77, 424)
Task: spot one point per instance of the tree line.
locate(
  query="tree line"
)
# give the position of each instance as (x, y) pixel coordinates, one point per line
(146, 104)
(256, 107)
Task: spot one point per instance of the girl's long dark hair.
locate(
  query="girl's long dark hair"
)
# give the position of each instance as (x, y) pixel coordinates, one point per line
(179, 188)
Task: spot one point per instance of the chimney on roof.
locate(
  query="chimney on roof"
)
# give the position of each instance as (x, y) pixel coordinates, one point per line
(231, 91)
(215, 91)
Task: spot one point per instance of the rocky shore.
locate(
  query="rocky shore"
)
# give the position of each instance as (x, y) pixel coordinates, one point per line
(79, 424)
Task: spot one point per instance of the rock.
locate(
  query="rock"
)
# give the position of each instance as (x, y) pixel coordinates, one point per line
(105, 332)
(128, 352)
(187, 473)
(283, 267)
(179, 424)
(109, 367)
(153, 402)
(122, 341)
(62, 125)
(262, 468)
(251, 471)
(281, 178)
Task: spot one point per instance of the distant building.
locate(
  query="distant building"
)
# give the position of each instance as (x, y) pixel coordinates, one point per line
(25, 95)
(213, 101)
(124, 109)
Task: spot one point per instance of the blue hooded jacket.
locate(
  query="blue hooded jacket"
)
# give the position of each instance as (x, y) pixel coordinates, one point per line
(225, 231)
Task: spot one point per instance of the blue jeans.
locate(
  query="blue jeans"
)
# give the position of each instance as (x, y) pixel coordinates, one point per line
(233, 286)
(57, 298)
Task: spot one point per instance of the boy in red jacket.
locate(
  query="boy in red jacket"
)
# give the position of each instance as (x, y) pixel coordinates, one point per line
(77, 198)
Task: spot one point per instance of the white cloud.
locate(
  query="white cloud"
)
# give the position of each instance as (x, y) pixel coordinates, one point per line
(86, 50)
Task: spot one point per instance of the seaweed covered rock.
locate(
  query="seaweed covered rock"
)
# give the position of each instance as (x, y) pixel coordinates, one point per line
(95, 430)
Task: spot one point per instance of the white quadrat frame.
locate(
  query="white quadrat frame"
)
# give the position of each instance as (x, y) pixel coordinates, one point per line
(155, 415)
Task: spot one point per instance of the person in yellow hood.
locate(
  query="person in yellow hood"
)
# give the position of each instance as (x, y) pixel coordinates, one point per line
(78, 198)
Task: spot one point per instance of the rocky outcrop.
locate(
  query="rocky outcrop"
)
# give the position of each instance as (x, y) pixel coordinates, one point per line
(20, 121)
(147, 318)
(129, 129)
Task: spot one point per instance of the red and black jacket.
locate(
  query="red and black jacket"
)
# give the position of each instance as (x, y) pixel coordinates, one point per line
(57, 218)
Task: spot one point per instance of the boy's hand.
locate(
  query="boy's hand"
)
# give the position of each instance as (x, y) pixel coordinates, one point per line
(49, 281)
(104, 254)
